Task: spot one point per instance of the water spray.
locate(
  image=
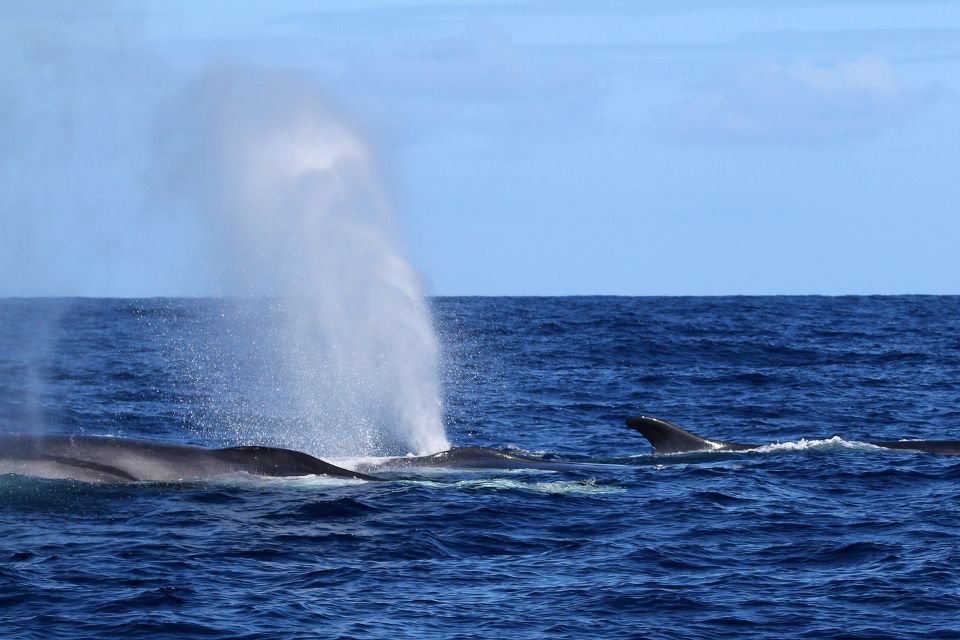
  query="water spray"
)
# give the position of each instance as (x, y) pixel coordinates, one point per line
(292, 196)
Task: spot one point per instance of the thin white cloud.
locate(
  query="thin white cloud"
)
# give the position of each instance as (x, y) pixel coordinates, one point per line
(870, 78)
(795, 102)
(479, 80)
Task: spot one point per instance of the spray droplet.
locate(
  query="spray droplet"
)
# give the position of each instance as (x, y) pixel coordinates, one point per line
(291, 194)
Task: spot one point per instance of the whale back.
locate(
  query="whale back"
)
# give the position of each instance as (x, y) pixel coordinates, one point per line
(667, 437)
(481, 458)
(939, 447)
(271, 461)
(109, 459)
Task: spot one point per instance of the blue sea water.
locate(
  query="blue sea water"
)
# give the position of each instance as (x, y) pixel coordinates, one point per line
(818, 536)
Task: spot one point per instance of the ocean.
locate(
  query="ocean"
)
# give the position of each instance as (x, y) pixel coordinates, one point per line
(816, 535)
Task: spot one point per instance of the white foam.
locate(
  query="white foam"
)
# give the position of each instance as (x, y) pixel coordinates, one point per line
(575, 487)
(836, 443)
(358, 462)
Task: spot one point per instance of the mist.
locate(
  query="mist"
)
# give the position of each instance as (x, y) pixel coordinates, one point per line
(291, 197)
(128, 175)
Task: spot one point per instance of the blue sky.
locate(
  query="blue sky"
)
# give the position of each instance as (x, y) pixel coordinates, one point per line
(725, 147)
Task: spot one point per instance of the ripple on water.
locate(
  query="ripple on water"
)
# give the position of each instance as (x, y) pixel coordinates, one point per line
(806, 537)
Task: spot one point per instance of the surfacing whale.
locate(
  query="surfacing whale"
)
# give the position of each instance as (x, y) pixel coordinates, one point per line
(118, 460)
(669, 438)
(479, 458)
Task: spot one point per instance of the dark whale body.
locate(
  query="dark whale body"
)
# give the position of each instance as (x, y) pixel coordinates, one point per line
(669, 438)
(481, 458)
(118, 460)
(105, 459)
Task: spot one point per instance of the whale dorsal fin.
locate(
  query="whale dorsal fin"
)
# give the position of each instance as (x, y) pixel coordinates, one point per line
(669, 438)
(271, 461)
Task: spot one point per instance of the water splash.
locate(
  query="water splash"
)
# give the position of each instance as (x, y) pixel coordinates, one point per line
(301, 226)
(829, 445)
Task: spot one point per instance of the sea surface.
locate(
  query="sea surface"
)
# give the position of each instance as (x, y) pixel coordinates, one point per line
(814, 536)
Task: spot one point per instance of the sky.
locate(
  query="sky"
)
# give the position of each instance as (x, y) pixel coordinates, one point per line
(529, 148)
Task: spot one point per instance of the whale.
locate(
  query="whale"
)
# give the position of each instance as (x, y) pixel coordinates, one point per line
(103, 459)
(106, 459)
(666, 437)
(472, 457)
